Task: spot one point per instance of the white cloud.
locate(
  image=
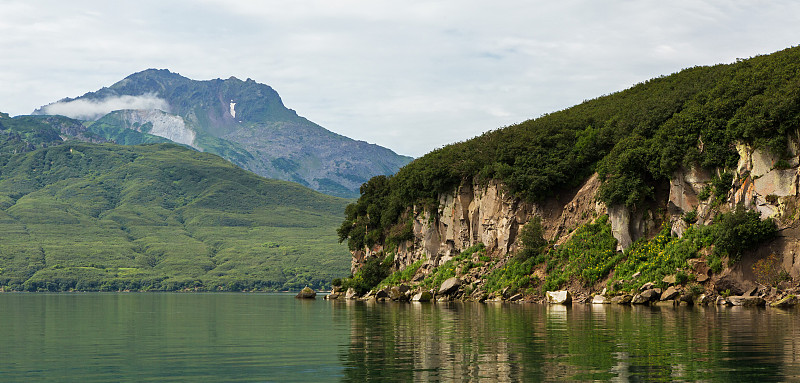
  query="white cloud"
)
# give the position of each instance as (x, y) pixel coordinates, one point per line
(84, 109)
(411, 75)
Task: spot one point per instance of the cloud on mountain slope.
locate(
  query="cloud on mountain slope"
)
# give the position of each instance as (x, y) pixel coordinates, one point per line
(84, 109)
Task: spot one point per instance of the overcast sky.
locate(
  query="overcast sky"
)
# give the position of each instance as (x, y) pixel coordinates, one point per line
(408, 75)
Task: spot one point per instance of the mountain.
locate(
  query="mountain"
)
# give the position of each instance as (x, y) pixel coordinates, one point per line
(687, 181)
(99, 216)
(243, 121)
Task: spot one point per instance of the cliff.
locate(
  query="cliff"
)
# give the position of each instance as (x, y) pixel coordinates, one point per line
(691, 177)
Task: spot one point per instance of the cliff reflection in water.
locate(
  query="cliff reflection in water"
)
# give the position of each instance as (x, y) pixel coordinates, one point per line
(511, 343)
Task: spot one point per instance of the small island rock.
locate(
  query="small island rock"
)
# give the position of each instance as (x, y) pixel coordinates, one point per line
(306, 293)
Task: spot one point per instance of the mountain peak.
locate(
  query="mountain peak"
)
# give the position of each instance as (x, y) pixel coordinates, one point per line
(245, 122)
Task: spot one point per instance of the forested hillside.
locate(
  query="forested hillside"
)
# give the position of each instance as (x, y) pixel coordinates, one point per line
(691, 177)
(634, 139)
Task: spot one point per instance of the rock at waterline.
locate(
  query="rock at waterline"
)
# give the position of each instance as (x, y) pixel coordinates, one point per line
(560, 297)
(422, 296)
(645, 297)
(670, 293)
(306, 293)
(600, 300)
(746, 301)
(449, 286)
(787, 301)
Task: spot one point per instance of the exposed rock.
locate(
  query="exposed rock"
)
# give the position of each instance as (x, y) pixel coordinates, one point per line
(704, 300)
(638, 299)
(636, 275)
(646, 286)
(350, 294)
(722, 301)
(449, 286)
(306, 293)
(624, 299)
(644, 297)
(669, 280)
(515, 297)
(601, 300)
(334, 295)
(730, 282)
(701, 278)
(787, 301)
(745, 300)
(396, 293)
(422, 296)
(561, 297)
(383, 293)
(670, 293)
(620, 218)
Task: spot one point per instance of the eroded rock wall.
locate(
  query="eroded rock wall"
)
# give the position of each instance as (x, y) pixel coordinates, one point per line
(487, 214)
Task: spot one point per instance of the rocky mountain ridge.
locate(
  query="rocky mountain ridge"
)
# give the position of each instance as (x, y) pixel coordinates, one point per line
(242, 121)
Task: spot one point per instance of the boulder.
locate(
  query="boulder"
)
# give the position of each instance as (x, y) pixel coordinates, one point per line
(729, 282)
(561, 297)
(382, 294)
(670, 293)
(306, 293)
(624, 299)
(422, 296)
(644, 297)
(646, 286)
(669, 280)
(701, 278)
(333, 295)
(741, 300)
(787, 301)
(449, 286)
(704, 300)
(600, 300)
(396, 293)
(721, 301)
(350, 294)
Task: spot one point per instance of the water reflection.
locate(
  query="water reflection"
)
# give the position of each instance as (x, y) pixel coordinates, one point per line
(512, 343)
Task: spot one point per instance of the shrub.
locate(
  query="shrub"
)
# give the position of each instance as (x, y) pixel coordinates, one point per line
(740, 230)
(681, 277)
(690, 217)
(769, 270)
(532, 238)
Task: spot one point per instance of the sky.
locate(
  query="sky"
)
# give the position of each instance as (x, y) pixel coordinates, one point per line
(408, 75)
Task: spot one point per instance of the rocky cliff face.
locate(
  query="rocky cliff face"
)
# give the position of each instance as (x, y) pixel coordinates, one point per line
(486, 214)
(476, 213)
(158, 123)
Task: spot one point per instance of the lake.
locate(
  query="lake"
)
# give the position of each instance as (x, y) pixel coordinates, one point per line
(101, 337)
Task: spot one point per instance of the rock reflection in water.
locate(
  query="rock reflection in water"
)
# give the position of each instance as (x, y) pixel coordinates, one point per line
(512, 343)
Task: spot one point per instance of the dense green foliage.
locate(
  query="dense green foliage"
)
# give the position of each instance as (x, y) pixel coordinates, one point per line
(730, 234)
(79, 216)
(589, 255)
(634, 139)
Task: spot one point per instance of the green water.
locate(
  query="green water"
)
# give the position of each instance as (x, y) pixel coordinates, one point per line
(262, 337)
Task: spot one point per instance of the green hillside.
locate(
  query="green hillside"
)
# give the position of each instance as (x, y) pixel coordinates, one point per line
(635, 140)
(87, 216)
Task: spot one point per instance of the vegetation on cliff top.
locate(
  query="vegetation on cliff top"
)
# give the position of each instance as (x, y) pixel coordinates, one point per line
(635, 139)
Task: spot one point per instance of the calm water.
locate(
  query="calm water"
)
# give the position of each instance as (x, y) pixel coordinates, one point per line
(261, 337)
